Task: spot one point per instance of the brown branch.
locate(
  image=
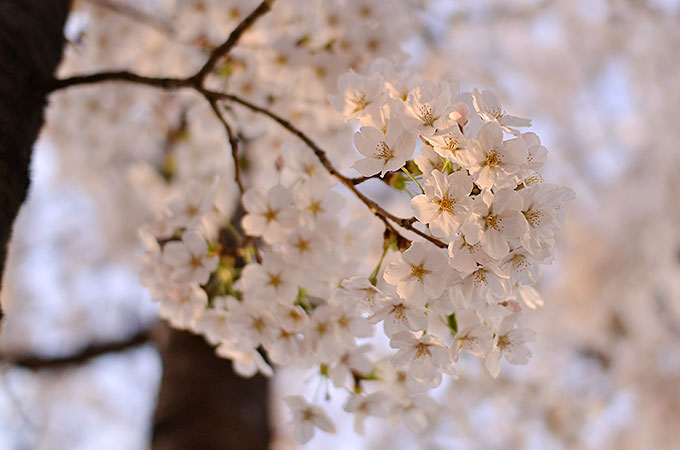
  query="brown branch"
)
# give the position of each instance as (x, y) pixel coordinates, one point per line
(231, 41)
(162, 83)
(376, 209)
(359, 180)
(233, 143)
(196, 82)
(90, 352)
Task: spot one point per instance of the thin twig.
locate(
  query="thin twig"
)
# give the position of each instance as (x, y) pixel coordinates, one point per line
(359, 180)
(84, 355)
(196, 82)
(233, 143)
(162, 83)
(323, 159)
(231, 41)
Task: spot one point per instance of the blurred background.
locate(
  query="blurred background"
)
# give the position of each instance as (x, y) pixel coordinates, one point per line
(599, 78)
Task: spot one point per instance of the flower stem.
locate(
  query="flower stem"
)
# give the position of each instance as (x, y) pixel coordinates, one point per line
(374, 276)
(405, 170)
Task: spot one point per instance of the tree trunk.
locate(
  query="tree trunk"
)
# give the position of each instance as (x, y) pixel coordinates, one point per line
(203, 404)
(31, 43)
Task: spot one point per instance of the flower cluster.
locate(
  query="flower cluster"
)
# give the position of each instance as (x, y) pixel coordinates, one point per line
(304, 295)
(300, 280)
(481, 196)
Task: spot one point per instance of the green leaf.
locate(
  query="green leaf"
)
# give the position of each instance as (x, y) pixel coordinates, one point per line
(452, 323)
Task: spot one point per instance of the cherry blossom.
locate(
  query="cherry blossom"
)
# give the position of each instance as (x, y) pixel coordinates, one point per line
(541, 203)
(383, 152)
(307, 418)
(427, 106)
(274, 280)
(323, 260)
(420, 274)
(399, 315)
(189, 259)
(377, 404)
(357, 94)
(509, 343)
(489, 108)
(444, 205)
(495, 220)
(353, 361)
(492, 161)
(362, 291)
(269, 217)
(426, 356)
(184, 304)
(448, 143)
(247, 361)
(476, 338)
(416, 412)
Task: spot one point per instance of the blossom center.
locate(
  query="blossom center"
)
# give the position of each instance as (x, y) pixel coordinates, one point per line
(427, 116)
(503, 341)
(383, 151)
(399, 312)
(270, 214)
(533, 216)
(258, 324)
(480, 277)
(307, 415)
(195, 262)
(274, 280)
(359, 102)
(301, 245)
(315, 207)
(369, 295)
(452, 143)
(422, 350)
(322, 328)
(446, 203)
(497, 112)
(309, 169)
(419, 271)
(520, 263)
(493, 221)
(191, 210)
(493, 159)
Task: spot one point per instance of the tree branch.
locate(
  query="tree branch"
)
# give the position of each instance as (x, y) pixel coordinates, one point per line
(162, 83)
(233, 142)
(231, 41)
(196, 82)
(376, 209)
(90, 352)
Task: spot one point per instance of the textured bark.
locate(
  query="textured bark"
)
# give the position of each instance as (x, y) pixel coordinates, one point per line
(203, 404)
(31, 43)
